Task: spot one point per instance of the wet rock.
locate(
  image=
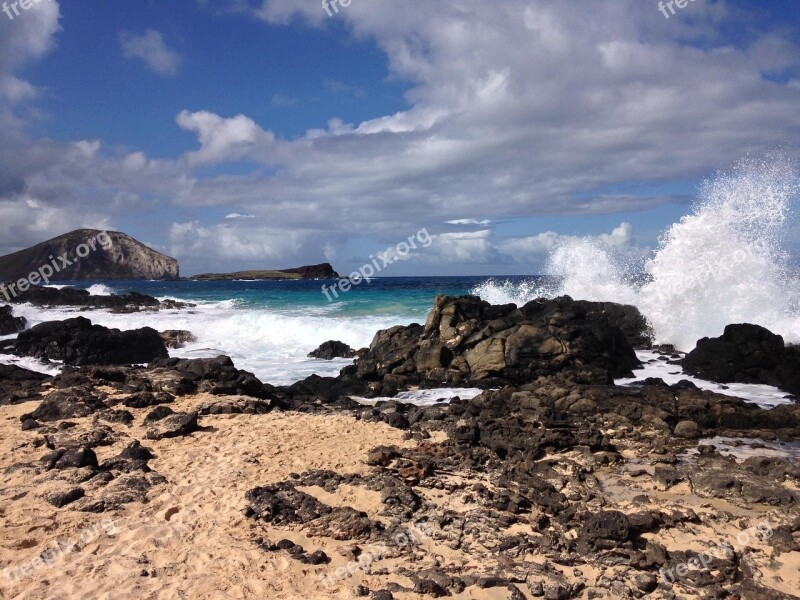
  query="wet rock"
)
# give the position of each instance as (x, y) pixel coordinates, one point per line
(332, 349)
(78, 342)
(177, 338)
(468, 340)
(20, 385)
(688, 430)
(9, 324)
(746, 353)
(69, 296)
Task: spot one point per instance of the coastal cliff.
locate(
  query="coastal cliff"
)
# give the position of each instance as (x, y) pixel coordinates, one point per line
(90, 254)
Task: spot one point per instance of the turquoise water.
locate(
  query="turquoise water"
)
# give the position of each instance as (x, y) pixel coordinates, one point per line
(402, 296)
(269, 327)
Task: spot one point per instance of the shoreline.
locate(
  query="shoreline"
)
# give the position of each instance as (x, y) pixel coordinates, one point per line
(564, 485)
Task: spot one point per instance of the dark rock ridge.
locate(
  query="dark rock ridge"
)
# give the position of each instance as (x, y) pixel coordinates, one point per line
(746, 354)
(130, 302)
(78, 342)
(332, 349)
(96, 393)
(217, 376)
(118, 256)
(9, 324)
(537, 455)
(19, 385)
(469, 341)
(321, 271)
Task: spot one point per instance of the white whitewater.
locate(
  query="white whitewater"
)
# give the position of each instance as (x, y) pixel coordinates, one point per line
(723, 263)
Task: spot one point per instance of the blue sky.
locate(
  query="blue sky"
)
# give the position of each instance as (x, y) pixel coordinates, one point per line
(237, 135)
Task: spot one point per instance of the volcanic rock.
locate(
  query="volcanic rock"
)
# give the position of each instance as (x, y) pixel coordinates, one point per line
(746, 353)
(332, 349)
(78, 342)
(9, 324)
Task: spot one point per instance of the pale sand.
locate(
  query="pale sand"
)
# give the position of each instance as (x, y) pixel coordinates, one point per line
(194, 541)
(193, 532)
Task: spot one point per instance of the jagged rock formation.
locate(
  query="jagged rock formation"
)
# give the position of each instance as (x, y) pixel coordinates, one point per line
(746, 354)
(119, 303)
(468, 340)
(332, 349)
(90, 254)
(78, 342)
(9, 324)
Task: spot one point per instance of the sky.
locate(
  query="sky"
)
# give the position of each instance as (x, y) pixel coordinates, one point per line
(244, 134)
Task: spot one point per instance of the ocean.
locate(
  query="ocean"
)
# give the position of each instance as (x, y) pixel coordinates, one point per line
(725, 261)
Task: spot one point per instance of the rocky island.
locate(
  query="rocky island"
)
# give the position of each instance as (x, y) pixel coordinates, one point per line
(321, 271)
(89, 254)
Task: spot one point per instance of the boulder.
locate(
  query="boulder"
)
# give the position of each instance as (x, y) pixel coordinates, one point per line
(687, 429)
(332, 349)
(9, 324)
(466, 340)
(20, 385)
(174, 425)
(746, 353)
(217, 376)
(177, 338)
(78, 342)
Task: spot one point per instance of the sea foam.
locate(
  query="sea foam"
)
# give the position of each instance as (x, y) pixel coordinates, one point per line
(725, 262)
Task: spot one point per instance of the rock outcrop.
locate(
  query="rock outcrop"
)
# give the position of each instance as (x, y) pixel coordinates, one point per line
(20, 385)
(332, 349)
(9, 324)
(92, 255)
(746, 354)
(78, 342)
(130, 302)
(467, 340)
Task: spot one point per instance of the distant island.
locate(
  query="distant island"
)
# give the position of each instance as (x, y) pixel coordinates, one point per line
(91, 254)
(321, 271)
